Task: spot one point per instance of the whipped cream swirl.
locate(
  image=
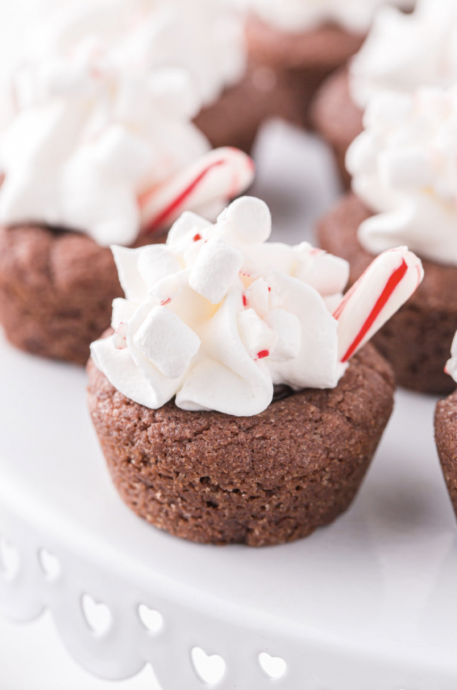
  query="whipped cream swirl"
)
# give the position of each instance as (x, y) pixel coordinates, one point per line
(406, 51)
(110, 152)
(217, 316)
(295, 16)
(451, 366)
(404, 168)
(204, 37)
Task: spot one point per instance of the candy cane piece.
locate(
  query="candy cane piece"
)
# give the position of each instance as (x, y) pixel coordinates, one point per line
(220, 175)
(386, 285)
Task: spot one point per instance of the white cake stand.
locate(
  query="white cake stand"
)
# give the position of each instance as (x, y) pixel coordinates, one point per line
(369, 603)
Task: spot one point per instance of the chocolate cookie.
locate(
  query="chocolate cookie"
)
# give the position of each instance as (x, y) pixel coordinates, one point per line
(417, 340)
(235, 118)
(297, 64)
(446, 442)
(337, 119)
(262, 480)
(56, 291)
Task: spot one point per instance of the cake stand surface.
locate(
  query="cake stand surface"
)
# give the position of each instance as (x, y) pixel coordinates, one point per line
(369, 603)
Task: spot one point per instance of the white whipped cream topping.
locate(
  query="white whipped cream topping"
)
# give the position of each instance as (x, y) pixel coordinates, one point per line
(217, 316)
(451, 366)
(299, 15)
(404, 52)
(105, 151)
(404, 168)
(204, 37)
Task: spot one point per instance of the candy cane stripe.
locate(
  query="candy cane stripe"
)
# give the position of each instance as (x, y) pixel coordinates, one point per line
(175, 204)
(391, 285)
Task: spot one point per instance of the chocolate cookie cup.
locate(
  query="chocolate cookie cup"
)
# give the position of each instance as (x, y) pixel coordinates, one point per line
(262, 480)
(57, 287)
(236, 117)
(56, 290)
(236, 399)
(446, 442)
(418, 338)
(337, 119)
(295, 65)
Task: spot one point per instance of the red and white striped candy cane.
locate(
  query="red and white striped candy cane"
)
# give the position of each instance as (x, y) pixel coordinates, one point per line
(220, 175)
(386, 285)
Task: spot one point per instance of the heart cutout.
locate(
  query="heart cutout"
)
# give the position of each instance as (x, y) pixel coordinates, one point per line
(151, 619)
(50, 564)
(210, 669)
(273, 666)
(9, 559)
(98, 616)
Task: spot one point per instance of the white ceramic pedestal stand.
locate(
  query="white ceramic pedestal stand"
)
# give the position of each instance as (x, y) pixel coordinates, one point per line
(369, 603)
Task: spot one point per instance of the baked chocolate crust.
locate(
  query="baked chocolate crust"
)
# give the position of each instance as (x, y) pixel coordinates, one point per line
(299, 63)
(337, 119)
(262, 480)
(446, 442)
(417, 340)
(235, 118)
(56, 291)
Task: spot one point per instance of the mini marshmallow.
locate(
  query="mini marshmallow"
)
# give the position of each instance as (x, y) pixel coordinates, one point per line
(257, 337)
(250, 219)
(288, 329)
(216, 268)
(167, 342)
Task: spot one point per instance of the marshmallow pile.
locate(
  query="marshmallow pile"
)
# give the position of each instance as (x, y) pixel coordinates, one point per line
(218, 316)
(100, 150)
(404, 168)
(204, 37)
(404, 52)
(299, 15)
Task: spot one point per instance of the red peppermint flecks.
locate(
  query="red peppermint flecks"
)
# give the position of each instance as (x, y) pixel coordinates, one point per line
(245, 301)
(165, 302)
(262, 354)
(197, 237)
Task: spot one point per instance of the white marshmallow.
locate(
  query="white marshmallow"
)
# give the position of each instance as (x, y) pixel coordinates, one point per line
(167, 342)
(214, 271)
(250, 219)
